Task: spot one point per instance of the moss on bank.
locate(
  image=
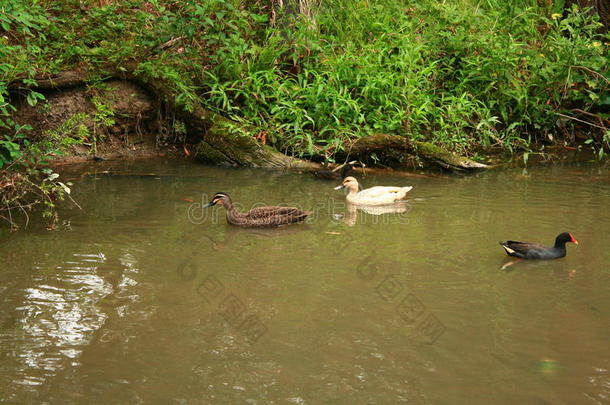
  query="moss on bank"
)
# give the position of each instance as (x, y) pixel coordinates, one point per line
(225, 143)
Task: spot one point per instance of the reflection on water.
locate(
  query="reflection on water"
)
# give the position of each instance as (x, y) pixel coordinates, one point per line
(146, 299)
(600, 381)
(60, 310)
(58, 315)
(376, 212)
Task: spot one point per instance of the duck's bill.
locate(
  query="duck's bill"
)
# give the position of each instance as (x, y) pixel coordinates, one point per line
(339, 187)
(210, 204)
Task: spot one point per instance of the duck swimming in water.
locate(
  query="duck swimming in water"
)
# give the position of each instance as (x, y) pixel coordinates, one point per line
(258, 217)
(379, 195)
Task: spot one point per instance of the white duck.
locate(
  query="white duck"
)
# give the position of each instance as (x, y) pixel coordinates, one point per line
(379, 195)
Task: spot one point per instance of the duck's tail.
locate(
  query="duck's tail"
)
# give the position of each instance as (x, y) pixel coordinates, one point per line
(404, 191)
(299, 215)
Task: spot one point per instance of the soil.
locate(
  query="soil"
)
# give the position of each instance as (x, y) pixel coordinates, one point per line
(130, 136)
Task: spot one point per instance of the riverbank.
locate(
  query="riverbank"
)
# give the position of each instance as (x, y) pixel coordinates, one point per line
(296, 85)
(461, 77)
(132, 127)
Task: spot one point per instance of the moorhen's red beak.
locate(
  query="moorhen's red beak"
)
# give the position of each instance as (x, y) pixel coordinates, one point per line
(573, 240)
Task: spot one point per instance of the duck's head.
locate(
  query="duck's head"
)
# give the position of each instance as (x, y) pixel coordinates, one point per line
(349, 183)
(564, 238)
(219, 198)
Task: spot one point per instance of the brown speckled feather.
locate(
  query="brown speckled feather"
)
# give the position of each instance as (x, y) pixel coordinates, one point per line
(267, 216)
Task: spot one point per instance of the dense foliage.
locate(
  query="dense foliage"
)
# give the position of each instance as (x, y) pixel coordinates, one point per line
(460, 73)
(463, 74)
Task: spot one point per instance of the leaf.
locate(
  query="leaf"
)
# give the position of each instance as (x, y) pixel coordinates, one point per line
(53, 176)
(66, 188)
(31, 100)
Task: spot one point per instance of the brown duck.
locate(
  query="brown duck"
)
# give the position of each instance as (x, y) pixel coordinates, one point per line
(258, 217)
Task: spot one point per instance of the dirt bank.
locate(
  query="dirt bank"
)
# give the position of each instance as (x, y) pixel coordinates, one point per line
(117, 118)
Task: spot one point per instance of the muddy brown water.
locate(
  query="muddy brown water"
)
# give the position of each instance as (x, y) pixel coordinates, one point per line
(143, 297)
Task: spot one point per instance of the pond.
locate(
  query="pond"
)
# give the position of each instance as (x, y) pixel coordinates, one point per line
(144, 296)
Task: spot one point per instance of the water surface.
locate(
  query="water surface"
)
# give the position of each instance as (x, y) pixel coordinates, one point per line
(142, 296)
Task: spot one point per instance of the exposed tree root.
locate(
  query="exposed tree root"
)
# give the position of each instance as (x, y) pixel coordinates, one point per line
(222, 141)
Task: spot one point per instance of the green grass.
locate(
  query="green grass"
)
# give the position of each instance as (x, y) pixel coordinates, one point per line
(464, 74)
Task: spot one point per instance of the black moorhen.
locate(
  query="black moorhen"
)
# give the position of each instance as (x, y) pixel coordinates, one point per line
(524, 250)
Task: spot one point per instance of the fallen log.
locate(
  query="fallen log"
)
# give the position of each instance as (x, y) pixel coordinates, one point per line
(62, 80)
(395, 151)
(225, 144)
(218, 140)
